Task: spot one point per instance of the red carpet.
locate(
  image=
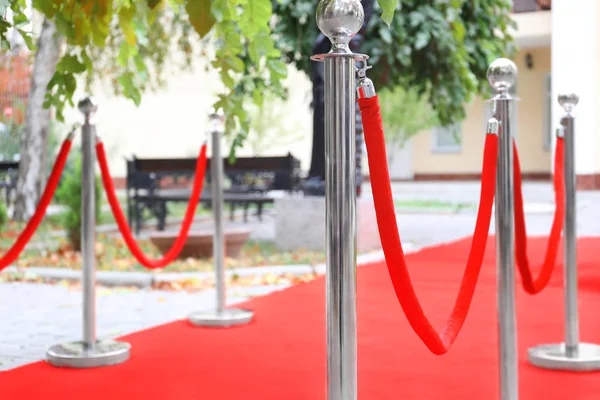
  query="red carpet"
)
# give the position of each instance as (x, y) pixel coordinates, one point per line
(282, 354)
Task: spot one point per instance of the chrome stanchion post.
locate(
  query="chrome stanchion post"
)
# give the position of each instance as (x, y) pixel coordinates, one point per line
(89, 352)
(502, 75)
(340, 20)
(221, 316)
(570, 355)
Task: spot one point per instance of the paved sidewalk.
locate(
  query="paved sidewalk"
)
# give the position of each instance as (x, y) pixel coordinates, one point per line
(35, 316)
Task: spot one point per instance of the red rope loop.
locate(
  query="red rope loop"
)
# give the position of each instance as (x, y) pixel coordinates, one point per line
(530, 285)
(390, 237)
(135, 249)
(13, 253)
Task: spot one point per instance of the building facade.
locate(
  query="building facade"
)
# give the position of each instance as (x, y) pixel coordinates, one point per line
(559, 51)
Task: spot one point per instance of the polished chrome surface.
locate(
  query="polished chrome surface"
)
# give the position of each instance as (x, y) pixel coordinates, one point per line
(364, 83)
(221, 316)
(340, 20)
(89, 352)
(368, 89)
(568, 101)
(79, 354)
(502, 75)
(340, 219)
(493, 126)
(227, 317)
(570, 235)
(88, 221)
(217, 207)
(87, 106)
(570, 355)
(556, 357)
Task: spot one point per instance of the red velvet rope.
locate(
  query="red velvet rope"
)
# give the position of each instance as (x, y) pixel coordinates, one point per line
(135, 249)
(536, 286)
(390, 237)
(37, 217)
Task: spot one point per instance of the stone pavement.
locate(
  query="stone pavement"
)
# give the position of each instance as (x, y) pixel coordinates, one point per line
(35, 316)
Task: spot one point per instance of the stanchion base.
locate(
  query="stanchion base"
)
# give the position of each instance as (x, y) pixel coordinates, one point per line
(78, 355)
(555, 357)
(225, 318)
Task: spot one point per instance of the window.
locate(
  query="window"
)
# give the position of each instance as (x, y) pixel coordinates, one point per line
(447, 139)
(547, 113)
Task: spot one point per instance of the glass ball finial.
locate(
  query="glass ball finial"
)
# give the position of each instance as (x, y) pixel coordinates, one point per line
(87, 105)
(502, 74)
(568, 101)
(340, 20)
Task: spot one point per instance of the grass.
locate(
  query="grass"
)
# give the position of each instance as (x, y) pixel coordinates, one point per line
(51, 250)
(47, 249)
(113, 255)
(432, 204)
(174, 210)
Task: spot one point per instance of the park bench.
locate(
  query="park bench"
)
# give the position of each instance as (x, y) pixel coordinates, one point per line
(154, 182)
(8, 178)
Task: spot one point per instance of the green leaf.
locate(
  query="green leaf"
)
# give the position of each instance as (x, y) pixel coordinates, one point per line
(277, 68)
(200, 15)
(235, 63)
(27, 38)
(153, 3)
(258, 98)
(126, 23)
(70, 64)
(389, 8)
(257, 14)
(421, 40)
(386, 35)
(123, 57)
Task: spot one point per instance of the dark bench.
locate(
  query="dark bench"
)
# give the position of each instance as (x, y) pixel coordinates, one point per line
(8, 178)
(152, 183)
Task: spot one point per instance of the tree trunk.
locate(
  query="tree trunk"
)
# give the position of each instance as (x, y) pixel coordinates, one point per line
(32, 164)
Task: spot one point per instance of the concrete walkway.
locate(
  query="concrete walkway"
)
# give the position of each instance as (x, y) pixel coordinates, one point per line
(35, 316)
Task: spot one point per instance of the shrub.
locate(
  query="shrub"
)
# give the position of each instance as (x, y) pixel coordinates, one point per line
(3, 215)
(68, 194)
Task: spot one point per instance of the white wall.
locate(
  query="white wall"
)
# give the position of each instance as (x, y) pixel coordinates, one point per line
(174, 121)
(575, 66)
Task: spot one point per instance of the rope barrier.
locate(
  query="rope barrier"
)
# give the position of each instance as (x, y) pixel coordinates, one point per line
(135, 249)
(34, 222)
(530, 285)
(390, 237)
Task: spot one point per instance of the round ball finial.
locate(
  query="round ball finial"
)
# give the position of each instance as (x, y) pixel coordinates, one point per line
(502, 74)
(87, 106)
(568, 101)
(340, 20)
(217, 120)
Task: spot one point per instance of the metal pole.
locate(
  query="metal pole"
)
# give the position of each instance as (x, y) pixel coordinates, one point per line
(218, 242)
(88, 227)
(502, 75)
(220, 316)
(570, 270)
(570, 355)
(340, 217)
(339, 20)
(89, 352)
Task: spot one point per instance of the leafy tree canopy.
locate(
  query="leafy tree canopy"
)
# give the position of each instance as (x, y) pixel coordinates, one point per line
(441, 46)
